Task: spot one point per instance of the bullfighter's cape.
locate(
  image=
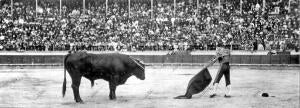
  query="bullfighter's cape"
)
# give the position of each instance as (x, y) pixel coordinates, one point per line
(197, 84)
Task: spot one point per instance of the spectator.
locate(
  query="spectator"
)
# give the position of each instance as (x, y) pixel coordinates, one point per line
(194, 28)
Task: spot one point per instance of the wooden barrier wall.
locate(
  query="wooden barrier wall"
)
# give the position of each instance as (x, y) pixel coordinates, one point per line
(236, 59)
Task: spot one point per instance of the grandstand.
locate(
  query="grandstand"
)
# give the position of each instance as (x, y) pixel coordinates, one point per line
(160, 25)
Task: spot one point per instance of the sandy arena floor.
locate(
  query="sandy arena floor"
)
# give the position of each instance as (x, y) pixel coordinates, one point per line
(32, 88)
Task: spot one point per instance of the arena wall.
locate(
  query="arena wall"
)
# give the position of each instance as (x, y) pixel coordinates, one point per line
(13, 59)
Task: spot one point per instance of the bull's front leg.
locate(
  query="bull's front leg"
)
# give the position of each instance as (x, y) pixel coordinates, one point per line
(112, 87)
(112, 92)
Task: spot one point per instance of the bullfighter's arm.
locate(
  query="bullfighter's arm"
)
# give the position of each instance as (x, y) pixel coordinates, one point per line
(212, 61)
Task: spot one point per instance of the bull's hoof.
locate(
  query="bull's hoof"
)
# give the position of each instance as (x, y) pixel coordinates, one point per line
(79, 101)
(112, 98)
(183, 97)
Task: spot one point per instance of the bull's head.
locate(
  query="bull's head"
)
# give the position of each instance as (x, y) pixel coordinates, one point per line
(139, 71)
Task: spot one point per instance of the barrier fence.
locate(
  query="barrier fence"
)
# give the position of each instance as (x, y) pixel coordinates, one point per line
(235, 59)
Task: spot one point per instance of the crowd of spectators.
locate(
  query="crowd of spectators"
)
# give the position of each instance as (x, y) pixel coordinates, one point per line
(186, 28)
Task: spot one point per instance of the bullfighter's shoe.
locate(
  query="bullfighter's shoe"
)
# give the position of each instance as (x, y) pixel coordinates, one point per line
(228, 91)
(214, 94)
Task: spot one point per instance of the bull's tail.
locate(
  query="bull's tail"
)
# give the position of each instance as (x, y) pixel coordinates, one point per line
(64, 84)
(65, 80)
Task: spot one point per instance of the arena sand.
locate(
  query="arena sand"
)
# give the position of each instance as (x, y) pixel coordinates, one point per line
(42, 88)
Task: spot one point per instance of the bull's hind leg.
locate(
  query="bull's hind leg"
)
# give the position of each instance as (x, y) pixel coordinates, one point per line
(76, 79)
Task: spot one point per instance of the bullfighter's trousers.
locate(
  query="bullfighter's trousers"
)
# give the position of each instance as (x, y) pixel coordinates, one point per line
(223, 70)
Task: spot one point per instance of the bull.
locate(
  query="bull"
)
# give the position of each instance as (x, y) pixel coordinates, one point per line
(113, 67)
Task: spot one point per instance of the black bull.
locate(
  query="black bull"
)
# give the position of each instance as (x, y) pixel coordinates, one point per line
(114, 68)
